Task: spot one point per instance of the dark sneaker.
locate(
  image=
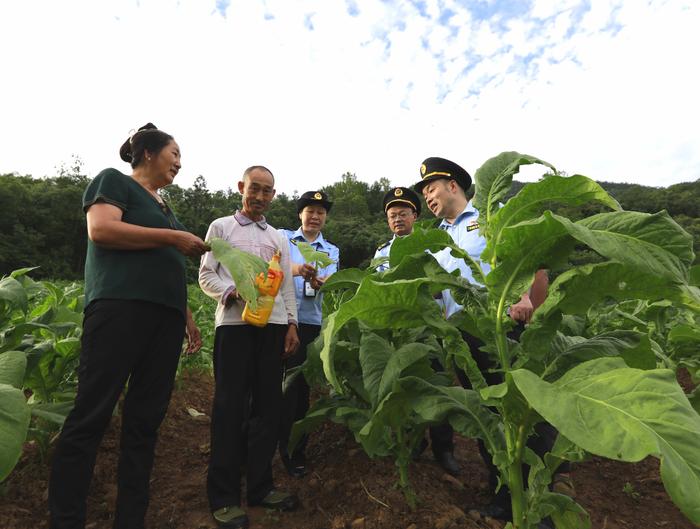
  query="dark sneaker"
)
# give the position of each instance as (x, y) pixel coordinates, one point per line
(448, 462)
(279, 500)
(232, 516)
(497, 511)
(563, 484)
(419, 449)
(295, 468)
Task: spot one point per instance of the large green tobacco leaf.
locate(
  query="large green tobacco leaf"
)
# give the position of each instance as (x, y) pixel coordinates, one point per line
(349, 278)
(12, 292)
(13, 364)
(576, 290)
(242, 266)
(382, 364)
(417, 244)
(695, 275)
(568, 351)
(55, 412)
(319, 259)
(396, 305)
(340, 409)
(420, 241)
(493, 180)
(525, 248)
(627, 414)
(684, 334)
(463, 407)
(653, 243)
(14, 421)
(425, 265)
(649, 245)
(534, 198)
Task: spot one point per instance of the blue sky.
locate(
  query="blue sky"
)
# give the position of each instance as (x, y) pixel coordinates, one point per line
(313, 89)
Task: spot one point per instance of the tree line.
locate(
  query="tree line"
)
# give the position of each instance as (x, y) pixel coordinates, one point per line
(42, 223)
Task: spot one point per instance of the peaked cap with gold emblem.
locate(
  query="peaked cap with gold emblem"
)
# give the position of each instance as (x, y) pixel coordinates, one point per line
(402, 196)
(313, 198)
(435, 168)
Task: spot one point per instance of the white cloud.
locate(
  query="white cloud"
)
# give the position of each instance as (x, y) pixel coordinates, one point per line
(608, 91)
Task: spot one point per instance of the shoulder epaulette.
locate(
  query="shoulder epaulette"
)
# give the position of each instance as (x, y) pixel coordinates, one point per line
(382, 246)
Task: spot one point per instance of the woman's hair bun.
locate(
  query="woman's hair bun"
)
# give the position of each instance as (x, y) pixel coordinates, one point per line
(133, 148)
(147, 126)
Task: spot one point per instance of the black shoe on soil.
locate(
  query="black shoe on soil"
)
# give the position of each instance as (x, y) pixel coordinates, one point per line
(448, 462)
(278, 500)
(419, 449)
(497, 511)
(295, 467)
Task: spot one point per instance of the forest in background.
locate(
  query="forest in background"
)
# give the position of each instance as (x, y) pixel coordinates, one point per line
(42, 223)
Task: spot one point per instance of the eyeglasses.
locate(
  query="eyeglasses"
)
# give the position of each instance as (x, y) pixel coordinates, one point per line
(403, 215)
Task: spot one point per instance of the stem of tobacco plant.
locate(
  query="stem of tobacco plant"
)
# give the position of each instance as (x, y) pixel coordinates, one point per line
(515, 436)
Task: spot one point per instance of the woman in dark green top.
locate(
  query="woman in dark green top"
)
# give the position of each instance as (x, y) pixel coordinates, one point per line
(136, 317)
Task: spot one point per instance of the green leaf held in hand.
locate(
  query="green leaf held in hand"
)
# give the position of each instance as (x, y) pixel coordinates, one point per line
(243, 267)
(311, 256)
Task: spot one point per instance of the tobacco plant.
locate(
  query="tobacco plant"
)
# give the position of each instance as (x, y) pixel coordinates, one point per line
(40, 325)
(602, 391)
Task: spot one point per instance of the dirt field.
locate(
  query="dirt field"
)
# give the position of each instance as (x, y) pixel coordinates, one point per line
(344, 489)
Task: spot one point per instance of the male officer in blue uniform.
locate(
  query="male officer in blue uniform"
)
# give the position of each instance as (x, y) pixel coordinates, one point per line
(444, 185)
(313, 208)
(402, 207)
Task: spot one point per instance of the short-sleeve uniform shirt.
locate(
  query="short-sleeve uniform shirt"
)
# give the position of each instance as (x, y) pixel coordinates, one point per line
(465, 233)
(310, 307)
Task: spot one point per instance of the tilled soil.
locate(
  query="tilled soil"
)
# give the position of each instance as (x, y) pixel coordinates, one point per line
(344, 489)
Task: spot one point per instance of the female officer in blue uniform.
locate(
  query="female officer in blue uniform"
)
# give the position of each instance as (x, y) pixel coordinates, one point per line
(313, 208)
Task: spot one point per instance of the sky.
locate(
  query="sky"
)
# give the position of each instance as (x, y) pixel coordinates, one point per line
(313, 89)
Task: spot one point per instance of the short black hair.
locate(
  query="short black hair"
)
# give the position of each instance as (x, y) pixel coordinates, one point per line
(259, 168)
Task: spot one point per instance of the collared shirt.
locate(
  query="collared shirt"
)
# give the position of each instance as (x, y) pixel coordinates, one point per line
(252, 237)
(244, 221)
(465, 233)
(383, 251)
(309, 308)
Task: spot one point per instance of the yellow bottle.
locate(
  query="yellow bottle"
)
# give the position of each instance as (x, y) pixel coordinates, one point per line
(260, 316)
(268, 286)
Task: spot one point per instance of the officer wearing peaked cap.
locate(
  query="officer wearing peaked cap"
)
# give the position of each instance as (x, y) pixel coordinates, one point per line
(443, 185)
(312, 208)
(314, 198)
(435, 168)
(401, 207)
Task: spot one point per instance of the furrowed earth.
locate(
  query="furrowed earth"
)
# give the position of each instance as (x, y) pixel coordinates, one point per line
(344, 489)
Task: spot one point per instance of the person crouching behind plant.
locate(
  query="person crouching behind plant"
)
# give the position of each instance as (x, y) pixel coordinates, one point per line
(247, 361)
(312, 208)
(402, 207)
(135, 318)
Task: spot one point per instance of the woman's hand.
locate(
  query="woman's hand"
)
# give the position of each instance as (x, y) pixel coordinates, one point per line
(304, 270)
(189, 244)
(317, 282)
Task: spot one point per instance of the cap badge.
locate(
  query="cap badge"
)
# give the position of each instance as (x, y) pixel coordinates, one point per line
(318, 196)
(398, 192)
(423, 169)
